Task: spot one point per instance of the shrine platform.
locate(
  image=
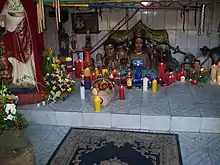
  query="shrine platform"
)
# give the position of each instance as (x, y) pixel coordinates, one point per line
(179, 107)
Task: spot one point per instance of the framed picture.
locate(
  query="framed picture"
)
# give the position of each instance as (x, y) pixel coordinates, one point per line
(81, 22)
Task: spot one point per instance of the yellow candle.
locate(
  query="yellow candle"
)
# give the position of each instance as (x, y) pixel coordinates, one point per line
(104, 72)
(97, 104)
(44, 103)
(154, 86)
(96, 72)
(87, 72)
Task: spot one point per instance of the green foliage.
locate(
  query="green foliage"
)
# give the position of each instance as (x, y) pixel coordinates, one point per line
(48, 60)
(58, 84)
(17, 122)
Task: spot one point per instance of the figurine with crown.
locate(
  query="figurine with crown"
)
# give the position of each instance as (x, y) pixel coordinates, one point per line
(140, 50)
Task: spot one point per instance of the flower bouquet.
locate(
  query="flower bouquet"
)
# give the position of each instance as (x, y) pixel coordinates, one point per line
(10, 119)
(58, 84)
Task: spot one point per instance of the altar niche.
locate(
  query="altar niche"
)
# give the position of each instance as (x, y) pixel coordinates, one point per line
(145, 44)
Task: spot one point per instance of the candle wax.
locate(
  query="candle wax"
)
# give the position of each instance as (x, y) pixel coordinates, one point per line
(145, 84)
(121, 93)
(82, 92)
(97, 104)
(154, 86)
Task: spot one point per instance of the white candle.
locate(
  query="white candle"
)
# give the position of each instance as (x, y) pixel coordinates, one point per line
(145, 84)
(218, 76)
(182, 79)
(82, 92)
(213, 75)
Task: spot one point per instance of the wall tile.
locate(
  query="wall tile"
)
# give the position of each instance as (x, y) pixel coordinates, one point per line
(103, 22)
(125, 121)
(192, 39)
(172, 37)
(156, 123)
(170, 20)
(186, 124)
(100, 120)
(181, 39)
(158, 19)
(203, 40)
(210, 125)
(134, 19)
(148, 18)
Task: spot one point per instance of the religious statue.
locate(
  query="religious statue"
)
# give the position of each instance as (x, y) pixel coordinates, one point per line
(63, 43)
(196, 69)
(23, 45)
(98, 63)
(110, 59)
(186, 68)
(205, 59)
(123, 57)
(140, 52)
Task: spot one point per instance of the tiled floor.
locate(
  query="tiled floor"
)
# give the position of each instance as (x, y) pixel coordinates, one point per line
(196, 148)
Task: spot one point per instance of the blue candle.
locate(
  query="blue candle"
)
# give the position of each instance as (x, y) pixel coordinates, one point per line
(138, 71)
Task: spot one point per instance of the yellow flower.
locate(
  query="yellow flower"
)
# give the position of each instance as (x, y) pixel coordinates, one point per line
(59, 77)
(59, 92)
(69, 89)
(54, 88)
(54, 66)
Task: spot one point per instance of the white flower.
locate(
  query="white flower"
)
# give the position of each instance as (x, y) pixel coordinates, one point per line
(9, 117)
(10, 108)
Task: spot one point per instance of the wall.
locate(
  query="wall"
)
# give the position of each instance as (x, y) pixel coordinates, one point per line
(170, 20)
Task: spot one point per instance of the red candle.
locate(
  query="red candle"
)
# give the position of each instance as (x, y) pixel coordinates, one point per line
(121, 93)
(194, 82)
(161, 70)
(170, 79)
(78, 68)
(115, 73)
(93, 76)
(173, 78)
(178, 75)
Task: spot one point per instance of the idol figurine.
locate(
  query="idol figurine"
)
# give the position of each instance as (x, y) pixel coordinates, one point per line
(205, 59)
(196, 70)
(139, 51)
(110, 60)
(98, 63)
(123, 58)
(186, 68)
(63, 43)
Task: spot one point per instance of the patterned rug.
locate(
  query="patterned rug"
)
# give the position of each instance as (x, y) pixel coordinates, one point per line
(102, 147)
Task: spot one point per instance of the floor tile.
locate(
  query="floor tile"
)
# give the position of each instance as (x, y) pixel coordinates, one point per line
(196, 148)
(209, 109)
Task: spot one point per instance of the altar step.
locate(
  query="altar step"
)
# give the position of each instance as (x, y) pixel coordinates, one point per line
(124, 121)
(180, 107)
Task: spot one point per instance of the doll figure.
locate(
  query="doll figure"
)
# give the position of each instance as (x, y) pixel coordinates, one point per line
(196, 70)
(122, 56)
(205, 59)
(98, 63)
(110, 60)
(186, 68)
(218, 73)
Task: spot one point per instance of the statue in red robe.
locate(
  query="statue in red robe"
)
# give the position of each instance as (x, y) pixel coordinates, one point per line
(23, 45)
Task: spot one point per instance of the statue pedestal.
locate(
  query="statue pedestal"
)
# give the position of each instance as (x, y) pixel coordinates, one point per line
(29, 98)
(26, 95)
